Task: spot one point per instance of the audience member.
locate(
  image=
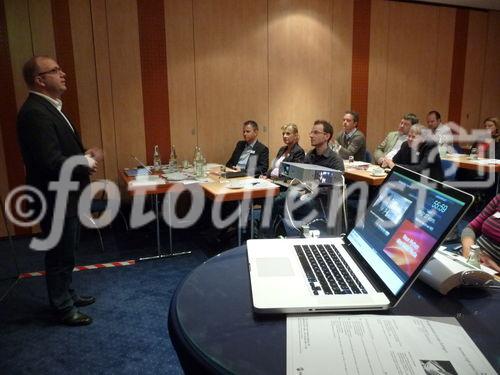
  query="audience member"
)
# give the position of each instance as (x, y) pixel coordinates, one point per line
(250, 155)
(393, 141)
(491, 124)
(351, 142)
(484, 230)
(440, 132)
(418, 153)
(290, 152)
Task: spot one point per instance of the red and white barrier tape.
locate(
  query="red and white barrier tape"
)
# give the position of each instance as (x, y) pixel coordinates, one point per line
(27, 275)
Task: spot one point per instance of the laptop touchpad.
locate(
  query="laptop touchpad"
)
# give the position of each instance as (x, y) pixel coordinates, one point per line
(272, 267)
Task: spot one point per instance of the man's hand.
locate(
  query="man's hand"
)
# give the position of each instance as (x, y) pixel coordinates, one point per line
(92, 163)
(387, 163)
(96, 153)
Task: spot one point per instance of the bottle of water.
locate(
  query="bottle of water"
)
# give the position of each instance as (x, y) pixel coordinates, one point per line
(199, 164)
(173, 158)
(474, 256)
(442, 148)
(156, 159)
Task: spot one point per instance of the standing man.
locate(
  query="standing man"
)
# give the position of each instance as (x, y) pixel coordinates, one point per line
(393, 141)
(47, 139)
(250, 155)
(351, 142)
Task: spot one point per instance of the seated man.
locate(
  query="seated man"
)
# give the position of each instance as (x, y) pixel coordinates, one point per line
(440, 132)
(393, 141)
(250, 155)
(321, 154)
(351, 142)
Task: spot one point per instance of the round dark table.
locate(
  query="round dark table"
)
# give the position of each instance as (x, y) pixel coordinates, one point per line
(214, 330)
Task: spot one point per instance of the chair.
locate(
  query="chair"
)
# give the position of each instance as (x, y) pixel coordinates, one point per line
(368, 157)
(331, 206)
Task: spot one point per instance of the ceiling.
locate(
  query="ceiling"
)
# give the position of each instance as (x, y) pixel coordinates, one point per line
(481, 4)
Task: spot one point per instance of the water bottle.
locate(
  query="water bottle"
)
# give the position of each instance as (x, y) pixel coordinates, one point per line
(173, 158)
(442, 148)
(156, 159)
(474, 256)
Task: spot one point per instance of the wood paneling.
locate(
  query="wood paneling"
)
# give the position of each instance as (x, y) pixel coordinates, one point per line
(125, 76)
(19, 33)
(410, 50)
(231, 72)
(40, 13)
(490, 103)
(152, 44)
(300, 67)
(360, 60)
(104, 87)
(181, 76)
(342, 30)
(474, 70)
(85, 76)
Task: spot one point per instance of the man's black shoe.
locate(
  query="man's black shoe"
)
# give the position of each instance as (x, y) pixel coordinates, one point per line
(76, 319)
(84, 301)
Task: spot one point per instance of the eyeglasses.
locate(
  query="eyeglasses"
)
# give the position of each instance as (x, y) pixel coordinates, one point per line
(316, 132)
(56, 70)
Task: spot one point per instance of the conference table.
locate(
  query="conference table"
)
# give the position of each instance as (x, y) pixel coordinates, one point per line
(480, 165)
(242, 189)
(215, 331)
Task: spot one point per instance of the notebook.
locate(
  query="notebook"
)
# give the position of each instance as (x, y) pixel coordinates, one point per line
(369, 269)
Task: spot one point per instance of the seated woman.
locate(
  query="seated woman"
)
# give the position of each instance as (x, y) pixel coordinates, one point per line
(291, 151)
(418, 153)
(484, 230)
(492, 124)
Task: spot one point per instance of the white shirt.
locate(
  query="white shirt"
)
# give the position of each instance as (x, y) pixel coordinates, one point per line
(402, 138)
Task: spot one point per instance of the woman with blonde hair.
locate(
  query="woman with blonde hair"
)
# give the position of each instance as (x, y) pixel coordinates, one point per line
(290, 152)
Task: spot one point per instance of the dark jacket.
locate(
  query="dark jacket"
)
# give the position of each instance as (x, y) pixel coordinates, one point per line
(46, 142)
(259, 156)
(296, 155)
(425, 161)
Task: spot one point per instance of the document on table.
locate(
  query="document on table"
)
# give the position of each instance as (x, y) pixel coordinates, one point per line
(374, 344)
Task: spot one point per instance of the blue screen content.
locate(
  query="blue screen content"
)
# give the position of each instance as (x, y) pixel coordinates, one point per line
(401, 226)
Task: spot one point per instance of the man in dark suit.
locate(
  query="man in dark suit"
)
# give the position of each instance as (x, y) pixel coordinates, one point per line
(47, 140)
(250, 155)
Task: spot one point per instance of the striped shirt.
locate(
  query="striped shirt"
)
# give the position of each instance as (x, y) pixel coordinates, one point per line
(487, 223)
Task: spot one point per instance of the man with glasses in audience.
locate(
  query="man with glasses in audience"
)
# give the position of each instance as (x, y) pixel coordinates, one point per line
(393, 141)
(322, 155)
(47, 139)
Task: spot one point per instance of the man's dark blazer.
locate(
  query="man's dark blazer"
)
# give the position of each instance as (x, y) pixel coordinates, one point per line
(46, 142)
(425, 161)
(260, 152)
(296, 155)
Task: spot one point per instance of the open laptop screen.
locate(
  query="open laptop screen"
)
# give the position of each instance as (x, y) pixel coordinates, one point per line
(401, 226)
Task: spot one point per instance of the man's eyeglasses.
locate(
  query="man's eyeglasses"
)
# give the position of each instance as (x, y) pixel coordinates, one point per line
(56, 70)
(316, 132)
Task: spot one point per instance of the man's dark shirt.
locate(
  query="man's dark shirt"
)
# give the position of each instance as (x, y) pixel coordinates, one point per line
(329, 159)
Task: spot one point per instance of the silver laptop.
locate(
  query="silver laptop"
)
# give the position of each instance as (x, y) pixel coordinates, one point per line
(369, 269)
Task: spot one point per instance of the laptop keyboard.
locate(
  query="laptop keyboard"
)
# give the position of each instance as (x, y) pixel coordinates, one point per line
(327, 271)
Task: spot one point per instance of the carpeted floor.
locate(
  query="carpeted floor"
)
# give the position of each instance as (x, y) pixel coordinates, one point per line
(129, 334)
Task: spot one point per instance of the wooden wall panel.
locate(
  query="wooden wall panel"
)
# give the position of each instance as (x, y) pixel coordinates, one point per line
(377, 124)
(231, 72)
(490, 103)
(18, 30)
(125, 76)
(85, 76)
(300, 66)
(40, 12)
(104, 87)
(474, 69)
(181, 77)
(4, 186)
(411, 62)
(341, 60)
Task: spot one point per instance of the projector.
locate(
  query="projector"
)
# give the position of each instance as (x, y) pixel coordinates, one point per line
(309, 172)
